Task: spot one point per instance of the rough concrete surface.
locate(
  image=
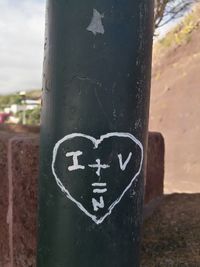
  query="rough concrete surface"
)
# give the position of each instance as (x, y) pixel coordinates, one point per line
(25, 167)
(4, 200)
(171, 236)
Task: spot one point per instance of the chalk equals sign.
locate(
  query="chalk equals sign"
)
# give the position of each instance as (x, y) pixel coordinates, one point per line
(100, 188)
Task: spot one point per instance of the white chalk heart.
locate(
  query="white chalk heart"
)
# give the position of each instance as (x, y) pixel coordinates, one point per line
(96, 173)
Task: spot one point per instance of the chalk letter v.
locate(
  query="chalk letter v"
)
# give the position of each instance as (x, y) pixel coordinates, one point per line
(124, 165)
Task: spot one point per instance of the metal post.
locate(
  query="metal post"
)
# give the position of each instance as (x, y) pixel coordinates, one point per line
(94, 130)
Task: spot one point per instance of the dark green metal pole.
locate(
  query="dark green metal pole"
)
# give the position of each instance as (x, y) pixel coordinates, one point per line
(94, 130)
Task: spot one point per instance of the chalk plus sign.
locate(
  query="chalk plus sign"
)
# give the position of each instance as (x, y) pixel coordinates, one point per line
(99, 166)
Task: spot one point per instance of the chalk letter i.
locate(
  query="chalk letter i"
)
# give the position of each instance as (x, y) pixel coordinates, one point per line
(75, 165)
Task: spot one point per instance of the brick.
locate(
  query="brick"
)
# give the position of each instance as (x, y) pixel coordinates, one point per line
(25, 168)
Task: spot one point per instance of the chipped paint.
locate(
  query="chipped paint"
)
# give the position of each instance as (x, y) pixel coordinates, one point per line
(96, 25)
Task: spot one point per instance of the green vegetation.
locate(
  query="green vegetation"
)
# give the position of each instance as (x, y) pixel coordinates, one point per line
(32, 116)
(181, 34)
(7, 100)
(168, 10)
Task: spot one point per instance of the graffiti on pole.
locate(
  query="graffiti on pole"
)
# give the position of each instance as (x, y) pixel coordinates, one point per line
(96, 173)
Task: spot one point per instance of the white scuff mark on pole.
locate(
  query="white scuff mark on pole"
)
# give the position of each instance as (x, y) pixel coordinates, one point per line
(96, 25)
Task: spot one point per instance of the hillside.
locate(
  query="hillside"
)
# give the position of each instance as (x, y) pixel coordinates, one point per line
(175, 103)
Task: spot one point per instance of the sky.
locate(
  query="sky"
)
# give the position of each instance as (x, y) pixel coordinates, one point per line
(21, 44)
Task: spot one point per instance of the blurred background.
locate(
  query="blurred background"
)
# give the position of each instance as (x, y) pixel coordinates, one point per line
(174, 109)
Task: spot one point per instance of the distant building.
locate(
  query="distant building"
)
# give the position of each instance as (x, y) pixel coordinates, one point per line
(14, 108)
(32, 104)
(28, 104)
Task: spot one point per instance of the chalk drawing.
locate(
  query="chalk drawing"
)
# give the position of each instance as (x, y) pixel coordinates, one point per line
(96, 25)
(124, 165)
(100, 191)
(98, 204)
(96, 142)
(99, 166)
(75, 165)
(99, 184)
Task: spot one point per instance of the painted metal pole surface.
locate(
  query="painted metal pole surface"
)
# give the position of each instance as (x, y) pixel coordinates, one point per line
(96, 89)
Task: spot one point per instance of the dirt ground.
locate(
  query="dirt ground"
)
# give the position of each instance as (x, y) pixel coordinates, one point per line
(171, 236)
(175, 112)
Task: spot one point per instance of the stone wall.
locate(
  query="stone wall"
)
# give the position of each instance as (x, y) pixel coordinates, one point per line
(19, 167)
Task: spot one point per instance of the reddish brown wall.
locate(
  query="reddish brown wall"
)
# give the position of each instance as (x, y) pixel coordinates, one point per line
(24, 176)
(4, 199)
(19, 161)
(155, 167)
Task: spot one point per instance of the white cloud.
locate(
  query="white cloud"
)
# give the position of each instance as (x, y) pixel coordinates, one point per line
(21, 44)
